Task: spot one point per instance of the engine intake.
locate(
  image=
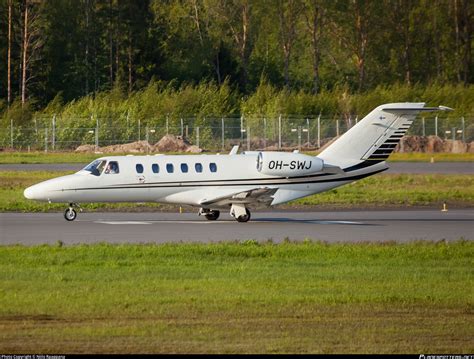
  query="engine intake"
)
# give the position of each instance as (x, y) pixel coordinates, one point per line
(288, 164)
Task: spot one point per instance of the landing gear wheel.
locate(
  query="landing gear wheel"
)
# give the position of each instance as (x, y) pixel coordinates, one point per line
(70, 214)
(212, 215)
(244, 218)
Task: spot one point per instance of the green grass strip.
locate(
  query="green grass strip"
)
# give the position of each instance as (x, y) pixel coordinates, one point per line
(246, 297)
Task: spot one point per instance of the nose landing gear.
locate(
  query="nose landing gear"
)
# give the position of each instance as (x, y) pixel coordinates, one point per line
(70, 213)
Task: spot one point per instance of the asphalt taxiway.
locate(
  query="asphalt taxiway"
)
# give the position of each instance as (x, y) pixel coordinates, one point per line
(333, 226)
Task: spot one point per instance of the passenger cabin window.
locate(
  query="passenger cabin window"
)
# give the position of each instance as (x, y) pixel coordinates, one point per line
(95, 167)
(155, 168)
(213, 167)
(169, 168)
(112, 168)
(139, 168)
(198, 167)
(184, 168)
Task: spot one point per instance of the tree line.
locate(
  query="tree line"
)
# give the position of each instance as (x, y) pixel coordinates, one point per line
(78, 48)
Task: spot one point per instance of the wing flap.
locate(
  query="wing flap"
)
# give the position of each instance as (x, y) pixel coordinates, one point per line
(252, 196)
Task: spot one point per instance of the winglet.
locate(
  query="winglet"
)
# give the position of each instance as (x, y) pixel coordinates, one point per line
(445, 108)
(405, 109)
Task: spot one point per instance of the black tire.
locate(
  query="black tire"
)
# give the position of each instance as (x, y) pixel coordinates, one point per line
(70, 214)
(212, 215)
(245, 217)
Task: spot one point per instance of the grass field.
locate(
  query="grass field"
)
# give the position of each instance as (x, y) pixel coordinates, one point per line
(392, 190)
(72, 157)
(238, 298)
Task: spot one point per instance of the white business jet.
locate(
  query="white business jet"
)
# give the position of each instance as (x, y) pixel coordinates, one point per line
(236, 182)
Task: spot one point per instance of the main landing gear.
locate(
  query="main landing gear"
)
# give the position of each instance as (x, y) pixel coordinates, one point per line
(210, 214)
(238, 211)
(70, 213)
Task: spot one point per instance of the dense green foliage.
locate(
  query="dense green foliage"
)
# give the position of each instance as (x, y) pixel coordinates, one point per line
(247, 297)
(124, 117)
(150, 62)
(78, 48)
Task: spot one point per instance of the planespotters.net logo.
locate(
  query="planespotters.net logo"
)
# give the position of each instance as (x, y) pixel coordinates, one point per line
(446, 356)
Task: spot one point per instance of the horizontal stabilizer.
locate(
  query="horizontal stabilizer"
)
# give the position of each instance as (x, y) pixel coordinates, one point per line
(423, 109)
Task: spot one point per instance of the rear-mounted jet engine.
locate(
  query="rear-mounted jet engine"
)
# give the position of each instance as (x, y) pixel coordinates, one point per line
(288, 164)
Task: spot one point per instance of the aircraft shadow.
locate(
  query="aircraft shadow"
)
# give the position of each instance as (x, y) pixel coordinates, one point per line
(315, 221)
(253, 221)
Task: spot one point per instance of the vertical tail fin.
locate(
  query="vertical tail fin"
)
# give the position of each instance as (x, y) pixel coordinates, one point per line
(376, 135)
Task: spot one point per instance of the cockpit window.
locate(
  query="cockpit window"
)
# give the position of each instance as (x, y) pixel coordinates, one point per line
(95, 167)
(112, 167)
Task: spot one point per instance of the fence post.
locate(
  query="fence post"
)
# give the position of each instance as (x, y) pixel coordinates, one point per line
(139, 123)
(167, 124)
(319, 130)
(241, 128)
(223, 134)
(279, 132)
(54, 132)
(264, 132)
(182, 127)
(11, 134)
(197, 136)
(147, 138)
(436, 125)
(337, 127)
(307, 127)
(97, 134)
(423, 126)
(463, 130)
(248, 138)
(299, 138)
(46, 139)
(128, 124)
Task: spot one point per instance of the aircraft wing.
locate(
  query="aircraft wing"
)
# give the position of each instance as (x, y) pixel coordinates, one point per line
(252, 196)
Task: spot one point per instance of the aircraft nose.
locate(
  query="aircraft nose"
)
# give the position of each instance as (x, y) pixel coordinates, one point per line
(33, 192)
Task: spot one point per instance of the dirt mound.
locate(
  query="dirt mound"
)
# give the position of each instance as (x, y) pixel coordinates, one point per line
(85, 149)
(171, 143)
(168, 143)
(431, 144)
(193, 149)
(412, 144)
(256, 142)
(470, 147)
(133, 147)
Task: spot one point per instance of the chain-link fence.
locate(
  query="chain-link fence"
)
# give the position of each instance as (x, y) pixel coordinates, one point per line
(211, 133)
